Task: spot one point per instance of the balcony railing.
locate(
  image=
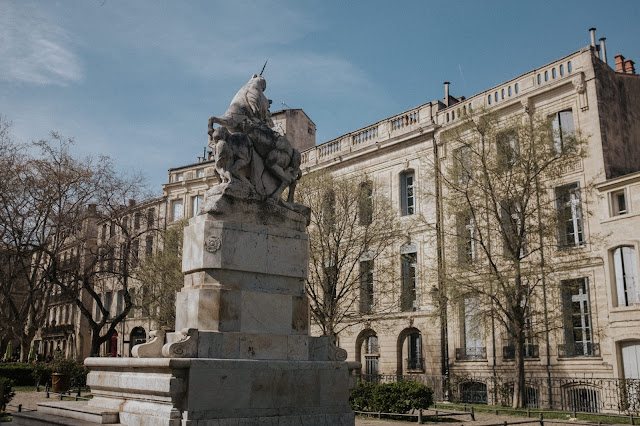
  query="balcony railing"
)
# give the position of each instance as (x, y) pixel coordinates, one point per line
(568, 393)
(573, 350)
(530, 351)
(414, 364)
(471, 353)
(57, 329)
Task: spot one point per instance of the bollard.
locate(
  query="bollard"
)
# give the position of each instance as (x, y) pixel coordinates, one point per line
(473, 413)
(528, 412)
(420, 417)
(505, 423)
(632, 420)
(61, 396)
(541, 419)
(47, 396)
(19, 408)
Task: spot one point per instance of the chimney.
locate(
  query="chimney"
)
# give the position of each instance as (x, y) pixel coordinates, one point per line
(603, 50)
(628, 67)
(93, 209)
(593, 37)
(619, 63)
(132, 202)
(446, 93)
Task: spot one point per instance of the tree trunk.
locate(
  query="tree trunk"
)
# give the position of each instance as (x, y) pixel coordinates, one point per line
(519, 380)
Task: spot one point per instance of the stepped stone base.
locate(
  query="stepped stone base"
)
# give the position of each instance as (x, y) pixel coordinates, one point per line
(66, 413)
(209, 392)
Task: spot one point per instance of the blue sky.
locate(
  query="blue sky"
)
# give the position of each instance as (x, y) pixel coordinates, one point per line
(137, 80)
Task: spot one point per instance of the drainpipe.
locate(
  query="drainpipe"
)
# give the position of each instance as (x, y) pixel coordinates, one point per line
(603, 50)
(442, 301)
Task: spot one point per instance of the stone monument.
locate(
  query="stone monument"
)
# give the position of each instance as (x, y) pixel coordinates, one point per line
(241, 352)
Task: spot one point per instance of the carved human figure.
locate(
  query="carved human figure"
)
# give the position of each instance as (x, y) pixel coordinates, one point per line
(233, 152)
(275, 164)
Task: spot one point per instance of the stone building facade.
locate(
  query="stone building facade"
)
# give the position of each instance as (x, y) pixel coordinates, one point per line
(398, 154)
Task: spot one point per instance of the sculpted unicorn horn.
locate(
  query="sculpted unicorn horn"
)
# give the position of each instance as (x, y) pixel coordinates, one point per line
(264, 66)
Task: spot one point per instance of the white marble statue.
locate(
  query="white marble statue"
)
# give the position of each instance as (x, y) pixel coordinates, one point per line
(249, 150)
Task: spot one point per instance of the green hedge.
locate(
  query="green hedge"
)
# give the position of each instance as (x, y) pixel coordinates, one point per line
(6, 393)
(398, 397)
(20, 373)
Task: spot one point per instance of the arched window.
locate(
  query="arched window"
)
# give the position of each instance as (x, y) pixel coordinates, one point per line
(626, 275)
(415, 361)
(367, 345)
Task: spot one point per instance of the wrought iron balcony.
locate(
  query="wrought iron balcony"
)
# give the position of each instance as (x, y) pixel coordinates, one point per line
(57, 329)
(572, 350)
(472, 353)
(530, 351)
(414, 364)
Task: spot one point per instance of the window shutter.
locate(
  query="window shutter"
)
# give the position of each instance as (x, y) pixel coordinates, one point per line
(617, 262)
(631, 274)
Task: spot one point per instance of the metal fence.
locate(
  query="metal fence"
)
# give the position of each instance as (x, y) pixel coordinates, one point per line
(576, 394)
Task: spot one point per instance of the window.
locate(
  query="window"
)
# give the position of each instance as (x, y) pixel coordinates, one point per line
(148, 246)
(563, 131)
(137, 218)
(409, 259)
(513, 231)
(407, 192)
(463, 165)
(179, 177)
(626, 275)
(473, 330)
(135, 252)
(125, 223)
(119, 302)
(517, 88)
(508, 149)
(561, 69)
(371, 355)
(104, 232)
(618, 203)
(196, 203)
(200, 173)
(466, 238)
(415, 361)
(365, 203)
(578, 336)
(568, 205)
(176, 209)
(366, 287)
(108, 298)
(151, 213)
(631, 361)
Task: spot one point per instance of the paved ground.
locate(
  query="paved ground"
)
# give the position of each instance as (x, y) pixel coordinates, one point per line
(30, 400)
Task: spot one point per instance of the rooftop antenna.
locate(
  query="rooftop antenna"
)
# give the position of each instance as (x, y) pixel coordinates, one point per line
(288, 107)
(264, 66)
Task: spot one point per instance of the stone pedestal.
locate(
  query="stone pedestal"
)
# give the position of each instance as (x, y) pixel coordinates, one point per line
(241, 352)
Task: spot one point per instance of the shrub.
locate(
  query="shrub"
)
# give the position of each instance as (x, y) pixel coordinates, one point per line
(361, 396)
(20, 373)
(6, 392)
(399, 397)
(41, 373)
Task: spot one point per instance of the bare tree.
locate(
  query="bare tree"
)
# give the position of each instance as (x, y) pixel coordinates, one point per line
(506, 217)
(352, 224)
(161, 277)
(51, 203)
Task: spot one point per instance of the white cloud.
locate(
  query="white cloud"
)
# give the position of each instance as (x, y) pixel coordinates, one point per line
(34, 48)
